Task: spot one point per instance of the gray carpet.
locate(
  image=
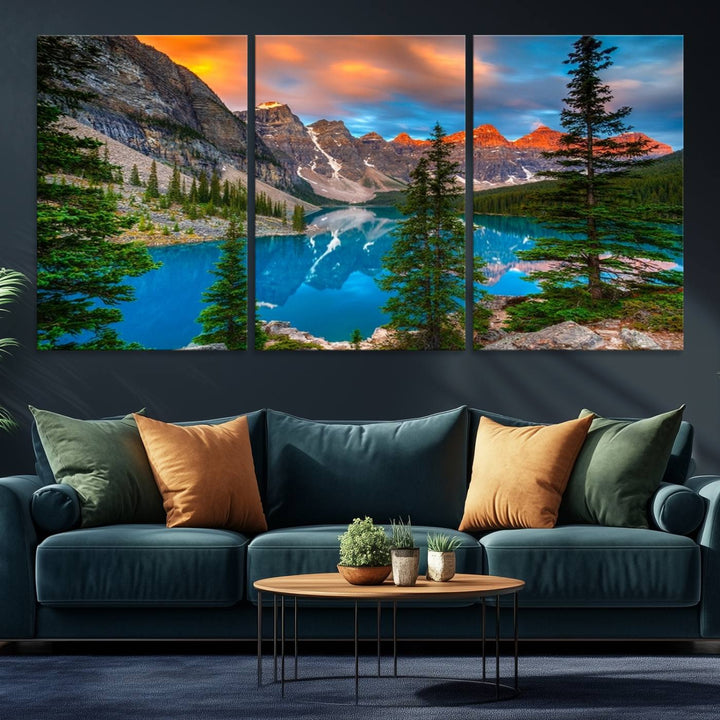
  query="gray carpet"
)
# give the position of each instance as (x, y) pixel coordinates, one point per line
(221, 687)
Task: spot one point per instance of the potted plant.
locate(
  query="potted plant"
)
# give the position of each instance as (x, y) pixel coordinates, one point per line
(405, 555)
(364, 553)
(441, 556)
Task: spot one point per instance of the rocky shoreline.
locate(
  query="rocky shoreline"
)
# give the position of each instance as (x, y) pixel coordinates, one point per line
(609, 334)
(606, 335)
(278, 330)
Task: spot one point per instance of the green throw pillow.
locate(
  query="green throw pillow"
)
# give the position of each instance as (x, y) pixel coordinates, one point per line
(106, 463)
(618, 469)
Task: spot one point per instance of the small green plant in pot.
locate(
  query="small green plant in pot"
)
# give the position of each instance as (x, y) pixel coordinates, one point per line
(441, 556)
(405, 555)
(364, 553)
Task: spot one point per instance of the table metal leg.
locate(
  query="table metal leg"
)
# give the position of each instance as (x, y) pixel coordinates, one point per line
(275, 637)
(357, 662)
(282, 646)
(378, 635)
(295, 635)
(515, 632)
(395, 637)
(497, 646)
(484, 653)
(259, 640)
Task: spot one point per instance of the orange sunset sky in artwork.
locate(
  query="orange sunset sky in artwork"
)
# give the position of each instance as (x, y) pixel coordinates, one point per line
(218, 60)
(388, 84)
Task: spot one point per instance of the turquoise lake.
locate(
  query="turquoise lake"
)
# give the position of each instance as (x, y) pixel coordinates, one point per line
(323, 282)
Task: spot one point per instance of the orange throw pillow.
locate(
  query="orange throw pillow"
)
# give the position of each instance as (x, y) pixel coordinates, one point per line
(205, 474)
(520, 473)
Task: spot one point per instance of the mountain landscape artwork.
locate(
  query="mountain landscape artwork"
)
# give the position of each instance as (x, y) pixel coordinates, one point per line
(365, 247)
(142, 192)
(578, 180)
(360, 187)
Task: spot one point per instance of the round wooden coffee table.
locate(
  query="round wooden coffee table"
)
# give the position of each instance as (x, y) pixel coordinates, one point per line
(324, 586)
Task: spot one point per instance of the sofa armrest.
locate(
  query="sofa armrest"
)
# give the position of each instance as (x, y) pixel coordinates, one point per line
(18, 540)
(708, 537)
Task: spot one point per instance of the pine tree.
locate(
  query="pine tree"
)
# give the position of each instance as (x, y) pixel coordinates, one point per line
(215, 191)
(174, 193)
(193, 196)
(606, 243)
(135, 176)
(81, 275)
(203, 190)
(298, 219)
(224, 319)
(153, 189)
(426, 264)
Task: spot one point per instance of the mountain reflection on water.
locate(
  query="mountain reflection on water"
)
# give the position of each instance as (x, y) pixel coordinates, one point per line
(322, 282)
(339, 243)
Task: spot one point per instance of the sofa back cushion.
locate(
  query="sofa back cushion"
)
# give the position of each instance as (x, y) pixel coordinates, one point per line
(332, 472)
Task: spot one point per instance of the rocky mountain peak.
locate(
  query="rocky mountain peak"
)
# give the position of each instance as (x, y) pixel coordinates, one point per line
(335, 128)
(455, 138)
(404, 139)
(274, 113)
(372, 137)
(541, 138)
(488, 136)
(656, 148)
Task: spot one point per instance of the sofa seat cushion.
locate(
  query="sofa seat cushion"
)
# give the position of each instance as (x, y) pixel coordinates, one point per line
(141, 566)
(597, 566)
(315, 549)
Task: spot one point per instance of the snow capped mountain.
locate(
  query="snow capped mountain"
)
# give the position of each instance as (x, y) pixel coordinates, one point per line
(325, 157)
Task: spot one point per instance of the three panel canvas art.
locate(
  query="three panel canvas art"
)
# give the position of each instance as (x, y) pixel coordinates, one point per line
(359, 234)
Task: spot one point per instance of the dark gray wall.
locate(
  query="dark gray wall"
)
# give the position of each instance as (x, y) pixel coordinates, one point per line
(541, 386)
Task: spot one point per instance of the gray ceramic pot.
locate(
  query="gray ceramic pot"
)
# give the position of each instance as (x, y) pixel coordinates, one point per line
(405, 564)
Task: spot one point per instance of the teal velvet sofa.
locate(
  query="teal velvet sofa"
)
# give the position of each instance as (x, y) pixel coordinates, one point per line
(62, 581)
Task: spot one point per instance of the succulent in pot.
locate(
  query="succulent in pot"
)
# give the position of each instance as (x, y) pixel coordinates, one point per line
(441, 556)
(405, 554)
(364, 553)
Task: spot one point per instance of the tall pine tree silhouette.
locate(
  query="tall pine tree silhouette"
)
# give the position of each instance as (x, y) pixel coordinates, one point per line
(606, 243)
(425, 268)
(224, 319)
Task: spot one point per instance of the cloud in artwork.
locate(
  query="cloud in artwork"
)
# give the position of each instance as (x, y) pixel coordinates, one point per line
(386, 84)
(523, 79)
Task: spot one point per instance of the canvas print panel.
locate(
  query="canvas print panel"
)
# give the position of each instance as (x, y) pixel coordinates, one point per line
(578, 156)
(142, 192)
(360, 176)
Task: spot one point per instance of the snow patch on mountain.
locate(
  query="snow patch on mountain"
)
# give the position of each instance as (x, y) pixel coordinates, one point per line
(334, 164)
